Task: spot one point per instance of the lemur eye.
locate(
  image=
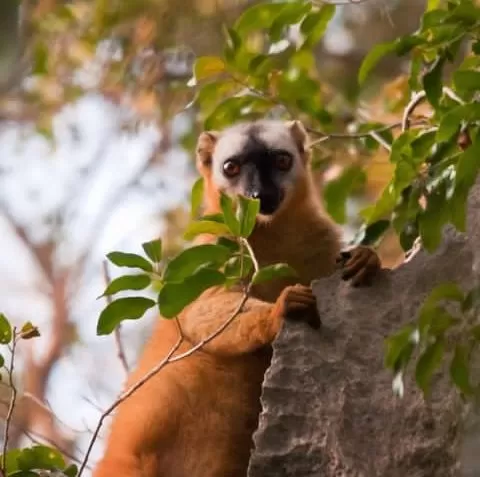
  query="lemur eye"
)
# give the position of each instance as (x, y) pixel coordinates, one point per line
(283, 161)
(231, 168)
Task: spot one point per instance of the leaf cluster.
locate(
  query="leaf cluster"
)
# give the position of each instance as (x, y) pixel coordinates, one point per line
(181, 280)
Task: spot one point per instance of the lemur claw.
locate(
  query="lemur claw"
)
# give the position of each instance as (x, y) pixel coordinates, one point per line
(359, 264)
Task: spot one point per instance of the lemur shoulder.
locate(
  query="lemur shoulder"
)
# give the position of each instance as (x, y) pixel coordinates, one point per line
(197, 416)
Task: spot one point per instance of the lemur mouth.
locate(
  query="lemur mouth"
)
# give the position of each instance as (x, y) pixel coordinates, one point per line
(270, 203)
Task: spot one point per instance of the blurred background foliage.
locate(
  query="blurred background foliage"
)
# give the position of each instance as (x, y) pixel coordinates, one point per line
(99, 114)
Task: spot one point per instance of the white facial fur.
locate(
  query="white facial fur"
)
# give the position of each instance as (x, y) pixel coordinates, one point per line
(232, 141)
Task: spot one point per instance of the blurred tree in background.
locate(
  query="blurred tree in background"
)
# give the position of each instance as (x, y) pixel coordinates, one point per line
(99, 113)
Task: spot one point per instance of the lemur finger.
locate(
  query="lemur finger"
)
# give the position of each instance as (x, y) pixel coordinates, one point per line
(343, 256)
(353, 267)
(301, 289)
(307, 314)
(314, 321)
(364, 277)
(302, 296)
(292, 306)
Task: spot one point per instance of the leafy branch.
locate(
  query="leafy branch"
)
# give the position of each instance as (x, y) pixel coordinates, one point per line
(183, 279)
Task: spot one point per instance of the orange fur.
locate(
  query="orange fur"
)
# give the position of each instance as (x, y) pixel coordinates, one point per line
(197, 416)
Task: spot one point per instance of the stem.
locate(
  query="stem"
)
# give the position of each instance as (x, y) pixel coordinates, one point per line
(11, 406)
(417, 98)
(244, 241)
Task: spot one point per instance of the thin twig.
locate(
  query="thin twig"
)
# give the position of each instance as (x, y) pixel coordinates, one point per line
(452, 95)
(417, 98)
(374, 133)
(118, 338)
(13, 399)
(122, 398)
(213, 335)
(47, 408)
(245, 242)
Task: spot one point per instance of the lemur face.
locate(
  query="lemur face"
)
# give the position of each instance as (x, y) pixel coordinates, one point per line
(260, 160)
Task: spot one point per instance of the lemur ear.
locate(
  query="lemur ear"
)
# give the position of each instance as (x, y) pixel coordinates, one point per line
(299, 134)
(204, 150)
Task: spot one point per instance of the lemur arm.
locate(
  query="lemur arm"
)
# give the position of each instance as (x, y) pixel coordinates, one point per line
(254, 326)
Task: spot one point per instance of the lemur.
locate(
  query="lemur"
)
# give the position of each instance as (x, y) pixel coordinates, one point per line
(196, 417)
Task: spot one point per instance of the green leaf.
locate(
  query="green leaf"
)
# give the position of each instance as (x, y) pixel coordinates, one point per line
(448, 291)
(466, 173)
(29, 331)
(432, 82)
(337, 191)
(466, 80)
(468, 165)
(129, 260)
(213, 218)
(5, 330)
(273, 272)
(383, 207)
(40, 457)
(432, 4)
(451, 121)
(247, 215)
(174, 297)
(428, 362)
(127, 282)
(258, 17)
(40, 59)
(207, 66)
(396, 344)
(205, 227)
(231, 221)
(232, 38)
(71, 471)
(432, 220)
(370, 234)
(190, 259)
(153, 250)
(246, 106)
(196, 197)
(12, 460)
(459, 370)
(441, 322)
(471, 300)
(210, 94)
(373, 57)
(291, 14)
(131, 308)
(232, 245)
(315, 24)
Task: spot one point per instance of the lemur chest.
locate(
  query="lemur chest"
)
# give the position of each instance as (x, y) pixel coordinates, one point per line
(311, 256)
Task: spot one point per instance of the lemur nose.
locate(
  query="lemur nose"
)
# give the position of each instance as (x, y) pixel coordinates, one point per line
(255, 194)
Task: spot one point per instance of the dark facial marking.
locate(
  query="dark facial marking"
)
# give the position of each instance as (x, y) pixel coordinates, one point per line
(262, 169)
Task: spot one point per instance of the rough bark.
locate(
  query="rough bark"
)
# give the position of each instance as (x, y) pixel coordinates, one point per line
(328, 406)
